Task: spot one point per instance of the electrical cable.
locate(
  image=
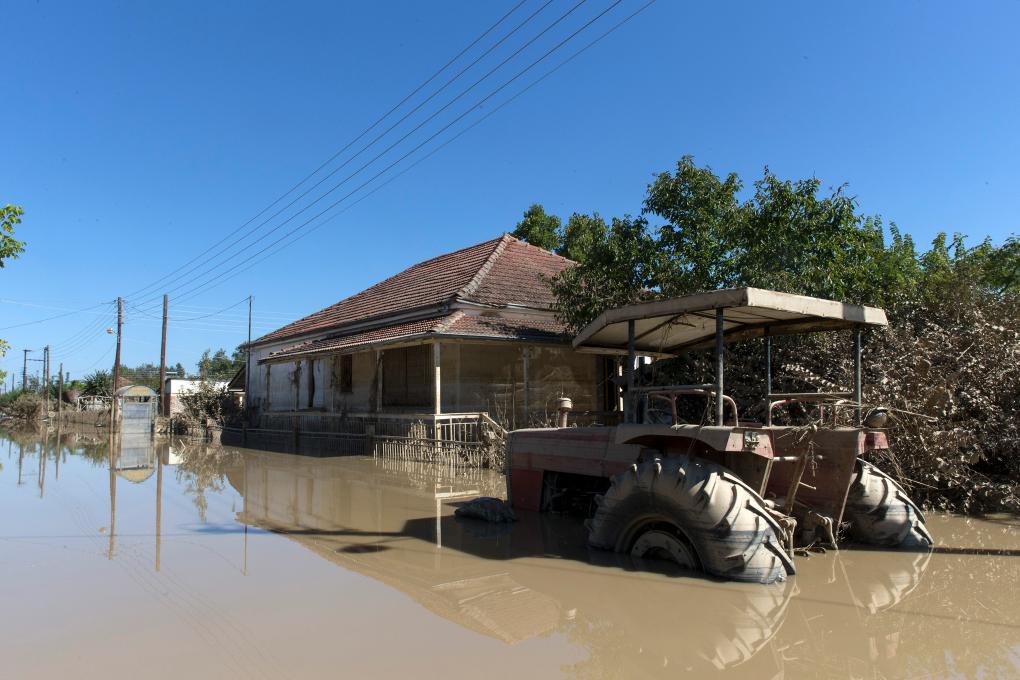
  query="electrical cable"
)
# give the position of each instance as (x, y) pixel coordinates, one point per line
(390, 147)
(192, 291)
(346, 146)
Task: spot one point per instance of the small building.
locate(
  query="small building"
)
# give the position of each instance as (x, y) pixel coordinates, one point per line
(175, 388)
(136, 408)
(443, 342)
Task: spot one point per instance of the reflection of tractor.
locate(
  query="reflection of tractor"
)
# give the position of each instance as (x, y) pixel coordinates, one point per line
(729, 498)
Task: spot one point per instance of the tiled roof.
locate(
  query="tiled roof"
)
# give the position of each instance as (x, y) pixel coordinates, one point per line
(506, 328)
(352, 340)
(456, 324)
(500, 272)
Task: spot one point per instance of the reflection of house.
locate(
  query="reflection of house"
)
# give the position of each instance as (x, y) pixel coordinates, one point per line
(175, 388)
(467, 332)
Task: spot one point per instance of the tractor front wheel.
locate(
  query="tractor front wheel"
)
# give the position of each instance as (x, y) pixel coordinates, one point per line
(695, 513)
(881, 514)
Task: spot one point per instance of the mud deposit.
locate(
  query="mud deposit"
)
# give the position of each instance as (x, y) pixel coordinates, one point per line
(188, 561)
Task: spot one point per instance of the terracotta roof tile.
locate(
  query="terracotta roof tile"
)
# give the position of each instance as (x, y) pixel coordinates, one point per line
(352, 340)
(506, 329)
(499, 272)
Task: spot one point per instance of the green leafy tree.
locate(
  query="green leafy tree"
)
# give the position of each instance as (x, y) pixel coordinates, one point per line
(10, 248)
(702, 216)
(617, 269)
(220, 366)
(97, 384)
(581, 235)
(539, 228)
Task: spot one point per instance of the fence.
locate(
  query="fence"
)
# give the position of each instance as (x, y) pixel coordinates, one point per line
(471, 440)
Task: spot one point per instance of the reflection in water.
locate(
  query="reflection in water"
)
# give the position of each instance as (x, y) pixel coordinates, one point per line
(852, 614)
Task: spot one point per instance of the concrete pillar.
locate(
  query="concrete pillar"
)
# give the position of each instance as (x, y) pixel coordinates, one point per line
(436, 378)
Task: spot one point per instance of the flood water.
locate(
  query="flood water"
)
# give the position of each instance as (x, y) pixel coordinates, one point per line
(187, 560)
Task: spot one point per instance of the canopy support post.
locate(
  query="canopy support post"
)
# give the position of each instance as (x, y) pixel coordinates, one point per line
(768, 378)
(628, 399)
(719, 348)
(858, 387)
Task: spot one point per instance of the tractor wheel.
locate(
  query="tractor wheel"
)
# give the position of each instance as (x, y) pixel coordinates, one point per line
(880, 512)
(695, 513)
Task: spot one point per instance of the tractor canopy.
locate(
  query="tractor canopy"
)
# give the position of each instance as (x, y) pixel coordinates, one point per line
(675, 325)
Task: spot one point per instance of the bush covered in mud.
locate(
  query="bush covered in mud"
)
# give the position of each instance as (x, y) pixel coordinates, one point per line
(207, 404)
(23, 406)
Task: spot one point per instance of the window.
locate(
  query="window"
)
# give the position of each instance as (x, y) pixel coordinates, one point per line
(407, 377)
(346, 370)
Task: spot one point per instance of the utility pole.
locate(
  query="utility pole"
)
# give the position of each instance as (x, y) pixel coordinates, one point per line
(247, 361)
(60, 394)
(162, 361)
(46, 378)
(24, 371)
(116, 362)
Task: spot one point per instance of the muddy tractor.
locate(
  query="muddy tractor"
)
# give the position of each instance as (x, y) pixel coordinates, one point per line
(732, 498)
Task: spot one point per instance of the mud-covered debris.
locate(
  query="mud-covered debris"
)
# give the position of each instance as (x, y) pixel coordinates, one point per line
(488, 509)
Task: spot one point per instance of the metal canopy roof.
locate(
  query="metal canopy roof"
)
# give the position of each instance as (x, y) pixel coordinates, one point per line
(684, 323)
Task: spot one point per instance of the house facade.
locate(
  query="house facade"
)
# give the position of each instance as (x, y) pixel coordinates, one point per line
(445, 341)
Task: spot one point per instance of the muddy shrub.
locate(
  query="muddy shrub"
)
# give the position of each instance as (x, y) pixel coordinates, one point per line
(948, 367)
(206, 403)
(25, 406)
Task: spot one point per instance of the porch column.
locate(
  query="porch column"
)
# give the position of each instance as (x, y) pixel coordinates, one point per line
(378, 381)
(525, 354)
(436, 382)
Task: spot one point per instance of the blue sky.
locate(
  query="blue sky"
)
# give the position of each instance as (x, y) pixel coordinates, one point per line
(136, 135)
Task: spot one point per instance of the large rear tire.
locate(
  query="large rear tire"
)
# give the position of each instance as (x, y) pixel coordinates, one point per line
(695, 513)
(881, 514)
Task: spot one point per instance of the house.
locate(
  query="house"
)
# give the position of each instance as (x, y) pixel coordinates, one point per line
(445, 341)
(175, 388)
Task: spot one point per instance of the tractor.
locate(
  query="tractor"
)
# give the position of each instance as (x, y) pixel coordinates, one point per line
(731, 498)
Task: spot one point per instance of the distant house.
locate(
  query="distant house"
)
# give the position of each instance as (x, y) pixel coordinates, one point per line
(465, 333)
(175, 388)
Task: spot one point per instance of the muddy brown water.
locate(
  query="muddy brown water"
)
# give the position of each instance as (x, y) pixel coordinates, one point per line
(184, 560)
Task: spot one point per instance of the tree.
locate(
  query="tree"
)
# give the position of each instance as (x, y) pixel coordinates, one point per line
(702, 213)
(619, 267)
(219, 366)
(98, 384)
(581, 235)
(10, 248)
(538, 228)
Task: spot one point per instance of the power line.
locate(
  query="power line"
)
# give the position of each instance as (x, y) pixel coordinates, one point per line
(194, 290)
(464, 130)
(346, 146)
(427, 120)
(49, 318)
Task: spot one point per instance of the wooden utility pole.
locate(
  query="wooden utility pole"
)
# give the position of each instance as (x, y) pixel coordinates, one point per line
(60, 395)
(162, 362)
(116, 362)
(247, 362)
(46, 378)
(24, 370)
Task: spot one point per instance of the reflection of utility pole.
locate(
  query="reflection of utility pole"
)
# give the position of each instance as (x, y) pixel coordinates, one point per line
(159, 496)
(113, 501)
(42, 464)
(21, 460)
